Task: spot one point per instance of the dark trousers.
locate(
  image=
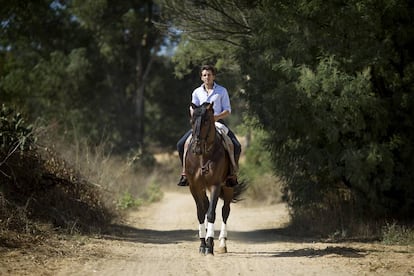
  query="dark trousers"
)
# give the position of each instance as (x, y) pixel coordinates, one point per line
(180, 144)
(236, 143)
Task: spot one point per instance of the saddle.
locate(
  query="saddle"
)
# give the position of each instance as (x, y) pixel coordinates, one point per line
(227, 143)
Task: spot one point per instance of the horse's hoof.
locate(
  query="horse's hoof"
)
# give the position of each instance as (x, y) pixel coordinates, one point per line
(202, 250)
(209, 251)
(222, 250)
(209, 246)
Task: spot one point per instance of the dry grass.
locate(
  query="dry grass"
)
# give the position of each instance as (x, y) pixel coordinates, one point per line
(60, 194)
(264, 190)
(39, 188)
(40, 192)
(337, 218)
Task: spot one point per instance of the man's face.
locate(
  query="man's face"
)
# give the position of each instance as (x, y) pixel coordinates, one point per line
(207, 77)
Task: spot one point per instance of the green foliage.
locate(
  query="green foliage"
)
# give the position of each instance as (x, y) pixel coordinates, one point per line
(18, 172)
(209, 20)
(328, 84)
(15, 133)
(91, 68)
(256, 165)
(17, 147)
(194, 53)
(209, 32)
(128, 201)
(257, 156)
(151, 194)
(397, 234)
(331, 84)
(167, 115)
(337, 133)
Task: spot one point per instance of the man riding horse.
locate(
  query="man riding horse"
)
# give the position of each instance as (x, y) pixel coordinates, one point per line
(216, 94)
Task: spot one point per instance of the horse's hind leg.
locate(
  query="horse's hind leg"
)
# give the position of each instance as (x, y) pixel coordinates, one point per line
(227, 194)
(223, 231)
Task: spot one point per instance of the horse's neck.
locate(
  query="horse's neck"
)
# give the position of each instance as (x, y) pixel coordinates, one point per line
(212, 139)
(213, 134)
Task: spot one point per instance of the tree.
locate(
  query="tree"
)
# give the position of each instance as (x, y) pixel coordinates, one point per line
(129, 42)
(167, 113)
(331, 83)
(83, 64)
(209, 32)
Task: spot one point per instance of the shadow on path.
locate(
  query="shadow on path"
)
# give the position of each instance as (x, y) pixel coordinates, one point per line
(129, 233)
(132, 234)
(341, 251)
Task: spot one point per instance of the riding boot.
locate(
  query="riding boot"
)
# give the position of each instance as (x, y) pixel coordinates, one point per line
(232, 178)
(183, 179)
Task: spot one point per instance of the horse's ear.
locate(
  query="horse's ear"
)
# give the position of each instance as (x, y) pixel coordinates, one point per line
(210, 105)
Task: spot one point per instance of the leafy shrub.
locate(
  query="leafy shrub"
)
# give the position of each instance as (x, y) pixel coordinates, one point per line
(392, 233)
(18, 163)
(15, 134)
(256, 169)
(128, 201)
(152, 193)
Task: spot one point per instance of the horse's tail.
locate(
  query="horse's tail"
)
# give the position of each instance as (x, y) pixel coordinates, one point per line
(238, 190)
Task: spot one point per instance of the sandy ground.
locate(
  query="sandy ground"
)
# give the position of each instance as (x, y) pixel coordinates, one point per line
(161, 239)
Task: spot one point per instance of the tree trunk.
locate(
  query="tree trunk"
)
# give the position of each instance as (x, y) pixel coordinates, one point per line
(142, 77)
(140, 113)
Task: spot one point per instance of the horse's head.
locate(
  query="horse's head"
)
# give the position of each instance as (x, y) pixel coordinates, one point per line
(202, 123)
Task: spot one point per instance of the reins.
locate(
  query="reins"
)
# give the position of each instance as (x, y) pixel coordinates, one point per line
(205, 145)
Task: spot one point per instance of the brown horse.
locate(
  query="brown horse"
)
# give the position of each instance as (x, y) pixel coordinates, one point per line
(207, 168)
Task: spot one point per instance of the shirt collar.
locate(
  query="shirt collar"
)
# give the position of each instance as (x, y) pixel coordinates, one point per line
(214, 86)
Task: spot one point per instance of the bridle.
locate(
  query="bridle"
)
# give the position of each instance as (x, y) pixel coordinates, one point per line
(201, 115)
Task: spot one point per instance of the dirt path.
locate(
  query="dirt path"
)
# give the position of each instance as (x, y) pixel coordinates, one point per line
(161, 239)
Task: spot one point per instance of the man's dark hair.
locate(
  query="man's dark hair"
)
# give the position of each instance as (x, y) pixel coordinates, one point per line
(208, 67)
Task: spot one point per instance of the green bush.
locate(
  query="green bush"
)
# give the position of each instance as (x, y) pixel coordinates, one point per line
(338, 108)
(15, 134)
(19, 167)
(393, 233)
(256, 169)
(152, 193)
(128, 201)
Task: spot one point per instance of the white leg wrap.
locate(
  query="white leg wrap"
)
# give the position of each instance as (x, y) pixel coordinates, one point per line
(223, 243)
(202, 231)
(223, 231)
(210, 230)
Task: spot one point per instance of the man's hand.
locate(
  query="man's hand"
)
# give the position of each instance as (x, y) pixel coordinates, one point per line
(222, 115)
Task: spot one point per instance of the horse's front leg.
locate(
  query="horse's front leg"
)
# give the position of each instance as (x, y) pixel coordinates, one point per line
(211, 218)
(201, 215)
(201, 201)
